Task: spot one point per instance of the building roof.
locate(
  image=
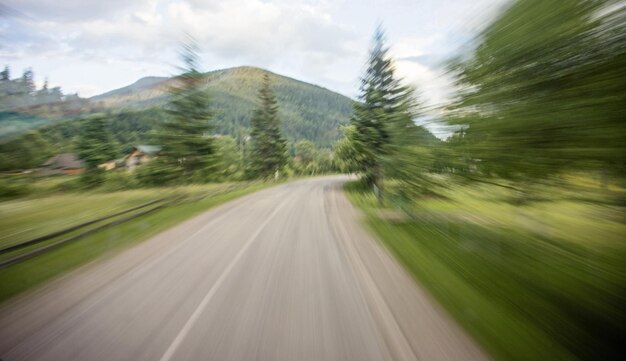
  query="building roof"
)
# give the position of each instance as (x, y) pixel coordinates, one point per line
(64, 161)
(148, 149)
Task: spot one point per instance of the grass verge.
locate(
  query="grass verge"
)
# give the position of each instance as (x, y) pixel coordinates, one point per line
(20, 277)
(523, 293)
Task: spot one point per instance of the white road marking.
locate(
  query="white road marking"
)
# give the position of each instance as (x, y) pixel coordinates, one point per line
(207, 298)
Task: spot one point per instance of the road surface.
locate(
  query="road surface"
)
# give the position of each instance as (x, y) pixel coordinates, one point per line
(286, 273)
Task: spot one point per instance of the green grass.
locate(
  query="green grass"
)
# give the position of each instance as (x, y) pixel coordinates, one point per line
(528, 282)
(24, 219)
(20, 277)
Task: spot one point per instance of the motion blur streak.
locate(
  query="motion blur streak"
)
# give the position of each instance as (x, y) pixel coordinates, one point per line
(516, 221)
(513, 221)
(300, 291)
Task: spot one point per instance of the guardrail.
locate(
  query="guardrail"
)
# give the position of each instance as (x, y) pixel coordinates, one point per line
(49, 247)
(55, 234)
(167, 202)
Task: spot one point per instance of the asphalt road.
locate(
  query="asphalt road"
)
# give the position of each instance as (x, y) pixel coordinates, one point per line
(286, 273)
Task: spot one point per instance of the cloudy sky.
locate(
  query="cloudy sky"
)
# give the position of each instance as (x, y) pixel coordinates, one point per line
(92, 46)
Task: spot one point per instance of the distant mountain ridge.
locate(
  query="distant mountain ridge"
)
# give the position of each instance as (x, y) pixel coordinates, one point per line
(139, 85)
(307, 111)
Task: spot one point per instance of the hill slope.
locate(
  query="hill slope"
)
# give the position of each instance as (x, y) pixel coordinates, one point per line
(307, 111)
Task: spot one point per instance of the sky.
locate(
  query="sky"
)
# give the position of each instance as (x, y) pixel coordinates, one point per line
(93, 46)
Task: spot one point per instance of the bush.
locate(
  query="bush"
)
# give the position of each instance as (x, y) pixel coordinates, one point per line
(119, 180)
(92, 178)
(13, 188)
(157, 173)
(70, 185)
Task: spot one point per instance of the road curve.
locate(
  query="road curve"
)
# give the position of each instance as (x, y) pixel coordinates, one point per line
(286, 273)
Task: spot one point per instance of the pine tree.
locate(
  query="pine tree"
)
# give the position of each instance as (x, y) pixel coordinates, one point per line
(5, 75)
(269, 148)
(28, 81)
(185, 135)
(382, 120)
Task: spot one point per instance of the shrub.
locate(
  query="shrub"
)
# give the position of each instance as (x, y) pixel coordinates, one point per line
(13, 188)
(157, 173)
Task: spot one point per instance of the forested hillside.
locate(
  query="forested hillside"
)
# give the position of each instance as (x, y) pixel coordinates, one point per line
(133, 113)
(306, 111)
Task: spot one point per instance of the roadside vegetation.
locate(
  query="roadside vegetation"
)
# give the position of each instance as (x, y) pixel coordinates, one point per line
(544, 280)
(515, 223)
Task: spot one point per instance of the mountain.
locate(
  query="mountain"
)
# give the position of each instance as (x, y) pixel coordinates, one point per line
(140, 85)
(307, 111)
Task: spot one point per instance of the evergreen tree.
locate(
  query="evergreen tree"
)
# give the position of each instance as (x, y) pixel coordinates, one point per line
(185, 135)
(95, 147)
(5, 75)
(383, 119)
(28, 81)
(269, 148)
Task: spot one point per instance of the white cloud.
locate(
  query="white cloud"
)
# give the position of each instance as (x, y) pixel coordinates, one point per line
(433, 84)
(95, 45)
(73, 10)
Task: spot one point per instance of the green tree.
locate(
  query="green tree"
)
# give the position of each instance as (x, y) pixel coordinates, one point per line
(382, 122)
(229, 159)
(186, 134)
(269, 148)
(28, 151)
(28, 81)
(95, 147)
(347, 157)
(5, 75)
(545, 90)
(306, 152)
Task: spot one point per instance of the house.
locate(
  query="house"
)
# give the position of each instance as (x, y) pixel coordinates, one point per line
(110, 165)
(67, 163)
(141, 154)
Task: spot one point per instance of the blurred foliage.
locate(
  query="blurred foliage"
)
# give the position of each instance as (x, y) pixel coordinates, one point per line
(185, 133)
(309, 160)
(268, 147)
(545, 89)
(158, 173)
(13, 188)
(345, 153)
(544, 280)
(29, 151)
(229, 160)
(383, 139)
(506, 221)
(94, 147)
(120, 180)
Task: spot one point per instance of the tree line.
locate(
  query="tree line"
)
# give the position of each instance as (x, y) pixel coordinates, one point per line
(22, 93)
(191, 152)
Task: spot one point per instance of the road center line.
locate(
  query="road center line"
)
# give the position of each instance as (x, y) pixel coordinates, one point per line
(207, 298)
